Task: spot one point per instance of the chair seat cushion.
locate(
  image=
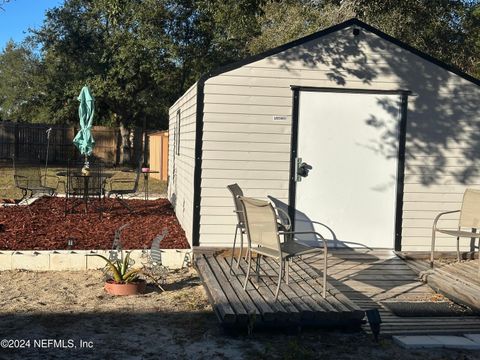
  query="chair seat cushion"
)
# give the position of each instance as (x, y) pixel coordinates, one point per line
(262, 250)
(467, 234)
(289, 249)
(293, 248)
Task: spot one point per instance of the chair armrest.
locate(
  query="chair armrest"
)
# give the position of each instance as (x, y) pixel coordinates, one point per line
(301, 232)
(325, 255)
(440, 215)
(287, 226)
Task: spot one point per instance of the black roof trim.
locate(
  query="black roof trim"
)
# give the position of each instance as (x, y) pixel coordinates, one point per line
(332, 29)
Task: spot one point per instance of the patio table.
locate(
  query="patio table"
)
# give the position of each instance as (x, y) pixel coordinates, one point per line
(86, 182)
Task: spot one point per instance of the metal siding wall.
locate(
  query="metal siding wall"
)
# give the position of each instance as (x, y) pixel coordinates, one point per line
(243, 144)
(181, 194)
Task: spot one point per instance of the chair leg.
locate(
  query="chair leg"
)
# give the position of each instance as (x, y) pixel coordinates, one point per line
(478, 257)
(241, 247)
(24, 195)
(124, 203)
(458, 249)
(248, 269)
(279, 278)
(233, 251)
(325, 267)
(432, 250)
(287, 270)
(458, 246)
(257, 266)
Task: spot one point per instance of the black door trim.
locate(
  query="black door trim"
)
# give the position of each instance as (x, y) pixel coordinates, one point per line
(350, 91)
(402, 131)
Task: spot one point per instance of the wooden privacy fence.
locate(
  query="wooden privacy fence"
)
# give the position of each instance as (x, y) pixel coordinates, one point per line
(29, 142)
(158, 154)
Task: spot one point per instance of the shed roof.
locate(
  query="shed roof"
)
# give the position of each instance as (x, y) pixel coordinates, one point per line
(332, 29)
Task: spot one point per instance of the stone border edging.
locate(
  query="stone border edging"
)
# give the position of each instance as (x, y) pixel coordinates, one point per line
(58, 260)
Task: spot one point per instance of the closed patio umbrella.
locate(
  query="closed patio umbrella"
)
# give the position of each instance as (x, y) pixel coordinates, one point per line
(84, 140)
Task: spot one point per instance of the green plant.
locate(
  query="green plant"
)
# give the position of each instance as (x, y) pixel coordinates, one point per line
(120, 269)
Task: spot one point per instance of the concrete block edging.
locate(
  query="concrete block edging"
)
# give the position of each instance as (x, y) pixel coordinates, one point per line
(58, 260)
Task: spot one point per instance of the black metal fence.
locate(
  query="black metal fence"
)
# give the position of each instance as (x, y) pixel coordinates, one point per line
(29, 142)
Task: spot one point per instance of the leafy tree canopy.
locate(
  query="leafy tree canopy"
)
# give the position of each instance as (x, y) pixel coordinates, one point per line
(138, 56)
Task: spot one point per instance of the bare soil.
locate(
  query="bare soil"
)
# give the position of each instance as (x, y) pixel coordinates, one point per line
(43, 225)
(175, 324)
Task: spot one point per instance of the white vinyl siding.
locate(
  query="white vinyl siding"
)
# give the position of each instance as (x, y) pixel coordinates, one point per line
(182, 164)
(242, 143)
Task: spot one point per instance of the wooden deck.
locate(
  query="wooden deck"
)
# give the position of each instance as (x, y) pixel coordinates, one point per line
(359, 280)
(299, 304)
(459, 281)
(370, 278)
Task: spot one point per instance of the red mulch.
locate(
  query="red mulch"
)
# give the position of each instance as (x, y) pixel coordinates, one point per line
(44, 226)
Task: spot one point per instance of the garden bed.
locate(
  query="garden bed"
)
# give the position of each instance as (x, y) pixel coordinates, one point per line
(44, 226)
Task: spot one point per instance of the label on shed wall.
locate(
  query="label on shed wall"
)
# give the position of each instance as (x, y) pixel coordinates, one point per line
(280, 118)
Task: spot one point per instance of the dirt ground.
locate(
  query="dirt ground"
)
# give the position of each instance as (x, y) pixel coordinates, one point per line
(70, 307)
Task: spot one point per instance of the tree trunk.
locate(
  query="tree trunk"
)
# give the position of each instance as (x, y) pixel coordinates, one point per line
(125, 146)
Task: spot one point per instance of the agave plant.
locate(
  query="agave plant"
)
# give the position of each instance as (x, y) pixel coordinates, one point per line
(120, 269)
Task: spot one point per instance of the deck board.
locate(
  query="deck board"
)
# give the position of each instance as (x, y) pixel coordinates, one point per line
(299, 303)
(358, 280)
(459, 281)
(363, 280)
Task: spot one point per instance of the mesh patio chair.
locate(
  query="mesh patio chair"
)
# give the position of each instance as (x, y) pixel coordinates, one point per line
(240, 227)
(122, 187)
(284, 222)
(469, 218)
(264, 240)
(29, 179)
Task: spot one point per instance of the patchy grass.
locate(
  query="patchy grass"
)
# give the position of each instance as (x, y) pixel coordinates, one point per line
(9, 191)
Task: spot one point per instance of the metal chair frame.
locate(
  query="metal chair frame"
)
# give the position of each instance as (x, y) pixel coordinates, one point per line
(31, 181)
(237, 192)
(469, 218)
(283, 252)
(119, 193)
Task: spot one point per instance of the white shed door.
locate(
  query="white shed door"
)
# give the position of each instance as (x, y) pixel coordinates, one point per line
(351, 142)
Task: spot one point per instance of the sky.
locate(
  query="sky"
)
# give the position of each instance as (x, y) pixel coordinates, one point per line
(18, 16)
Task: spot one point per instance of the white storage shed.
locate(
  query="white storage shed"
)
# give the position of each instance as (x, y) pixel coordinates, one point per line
(391, 135)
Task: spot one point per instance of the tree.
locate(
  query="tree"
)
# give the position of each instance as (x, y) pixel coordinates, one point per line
(204, 34)
(284, 21)
(21, 91)
(112, 46)
(139, 56)
(446, 29)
